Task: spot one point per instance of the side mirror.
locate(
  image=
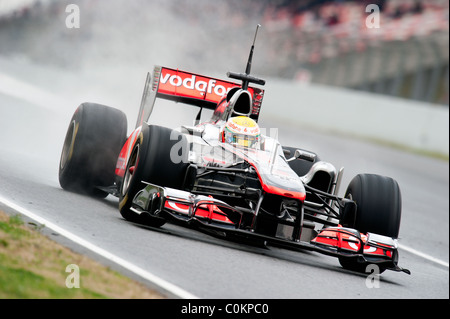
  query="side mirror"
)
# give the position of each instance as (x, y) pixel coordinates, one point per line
(305, 155)
(286, 153)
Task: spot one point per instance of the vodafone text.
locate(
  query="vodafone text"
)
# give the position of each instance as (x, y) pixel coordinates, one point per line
(191, 83)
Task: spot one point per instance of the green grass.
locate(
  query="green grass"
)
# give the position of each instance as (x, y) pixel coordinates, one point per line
(34, 267)
(20, 283)
(12, 228)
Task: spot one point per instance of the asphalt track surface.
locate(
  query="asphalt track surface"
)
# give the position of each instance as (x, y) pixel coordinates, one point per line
(36, 104)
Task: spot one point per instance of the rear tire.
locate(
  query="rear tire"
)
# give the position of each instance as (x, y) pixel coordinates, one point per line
(378, 211)
(151, 161)
(92, 144)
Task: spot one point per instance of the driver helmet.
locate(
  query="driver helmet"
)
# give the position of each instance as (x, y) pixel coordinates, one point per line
(242, 131)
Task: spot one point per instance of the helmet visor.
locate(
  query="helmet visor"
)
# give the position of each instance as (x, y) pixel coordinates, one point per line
(249, 141)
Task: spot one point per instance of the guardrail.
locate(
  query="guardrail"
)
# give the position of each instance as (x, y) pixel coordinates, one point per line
(417, 125)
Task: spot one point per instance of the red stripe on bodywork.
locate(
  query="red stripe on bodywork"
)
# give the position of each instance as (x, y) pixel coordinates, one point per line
(207, 211)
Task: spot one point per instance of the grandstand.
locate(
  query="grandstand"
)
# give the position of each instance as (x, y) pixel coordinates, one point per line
(329, 43)
(325, 42)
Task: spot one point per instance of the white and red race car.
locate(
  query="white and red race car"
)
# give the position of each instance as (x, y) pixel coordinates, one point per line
(225, 177)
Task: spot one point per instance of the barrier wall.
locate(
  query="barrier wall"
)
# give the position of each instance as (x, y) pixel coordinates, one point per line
(412, 124)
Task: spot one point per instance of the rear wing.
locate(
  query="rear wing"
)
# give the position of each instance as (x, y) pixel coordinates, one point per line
(189, 88)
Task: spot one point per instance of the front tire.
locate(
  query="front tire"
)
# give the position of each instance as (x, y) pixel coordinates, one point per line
(379, 205)
(155, 159)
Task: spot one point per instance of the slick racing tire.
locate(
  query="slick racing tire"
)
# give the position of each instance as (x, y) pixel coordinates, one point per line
(299, 166)
(160, 157)
(92, 144)
(378, 211)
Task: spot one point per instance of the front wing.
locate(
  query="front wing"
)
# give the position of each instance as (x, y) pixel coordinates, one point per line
(215, 216)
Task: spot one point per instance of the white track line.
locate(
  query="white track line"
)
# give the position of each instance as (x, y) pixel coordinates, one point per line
(425, 256)
(176, 291)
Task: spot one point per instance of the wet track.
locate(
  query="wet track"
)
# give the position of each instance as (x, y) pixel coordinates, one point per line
(32, 128)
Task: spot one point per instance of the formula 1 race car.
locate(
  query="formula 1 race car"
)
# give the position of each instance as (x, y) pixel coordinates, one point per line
(226, 177)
